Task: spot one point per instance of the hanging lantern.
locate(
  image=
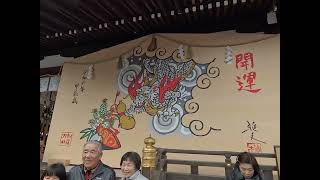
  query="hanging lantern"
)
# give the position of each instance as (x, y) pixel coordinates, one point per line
(119, 65)
(228, 55)
(153, 44)
(184, 52)
(123, 62)
(90, 72)
(187, 52)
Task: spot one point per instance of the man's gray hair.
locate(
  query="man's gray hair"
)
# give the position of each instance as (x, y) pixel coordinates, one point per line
(97, 143)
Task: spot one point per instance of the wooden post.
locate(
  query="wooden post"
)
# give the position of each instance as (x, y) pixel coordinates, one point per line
(228, 168)
(149, 153)
(277, 154)
(194, 169)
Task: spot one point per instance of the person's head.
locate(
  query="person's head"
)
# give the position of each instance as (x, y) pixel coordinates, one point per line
(54, 172)
(247, 165)
(92, 154)
(130, 163)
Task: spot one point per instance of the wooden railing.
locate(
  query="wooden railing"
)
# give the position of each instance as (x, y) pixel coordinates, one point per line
(162, 163)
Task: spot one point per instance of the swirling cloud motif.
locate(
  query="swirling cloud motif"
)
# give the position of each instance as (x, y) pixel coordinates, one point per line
(162, 85)
(126, 76)
(198, 127)
(167, 121)
(191, 79)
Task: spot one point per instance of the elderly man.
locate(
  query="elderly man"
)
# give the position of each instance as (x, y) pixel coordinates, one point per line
(92, 167)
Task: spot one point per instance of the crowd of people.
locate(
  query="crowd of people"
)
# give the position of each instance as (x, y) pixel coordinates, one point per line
(92, 168)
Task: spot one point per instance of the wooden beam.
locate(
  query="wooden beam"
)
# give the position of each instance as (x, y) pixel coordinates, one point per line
(50, 70)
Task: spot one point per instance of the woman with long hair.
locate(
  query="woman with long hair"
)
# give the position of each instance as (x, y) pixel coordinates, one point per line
(246, 168)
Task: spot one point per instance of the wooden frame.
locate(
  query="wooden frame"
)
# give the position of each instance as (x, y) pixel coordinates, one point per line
(277, 154)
